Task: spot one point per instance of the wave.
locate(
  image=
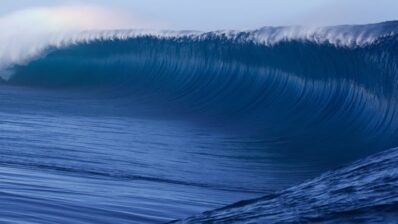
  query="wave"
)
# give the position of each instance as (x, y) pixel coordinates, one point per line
(318, 90)
(364, 192)
(325, 95)
(39, 41)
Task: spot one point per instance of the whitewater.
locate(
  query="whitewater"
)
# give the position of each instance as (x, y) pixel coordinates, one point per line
(140, 126)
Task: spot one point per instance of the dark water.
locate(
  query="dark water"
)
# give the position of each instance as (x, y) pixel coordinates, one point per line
(151, 129)
(363, 192)
(69, 160)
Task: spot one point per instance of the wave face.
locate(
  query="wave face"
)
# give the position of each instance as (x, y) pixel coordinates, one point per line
(319, 97)
(150, 127)
(364, 192)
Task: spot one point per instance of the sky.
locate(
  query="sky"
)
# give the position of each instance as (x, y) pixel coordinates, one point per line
(223, 14)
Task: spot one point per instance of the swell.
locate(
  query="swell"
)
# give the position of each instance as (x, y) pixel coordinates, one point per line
(362, 192)
(305, 94)
(122, 176)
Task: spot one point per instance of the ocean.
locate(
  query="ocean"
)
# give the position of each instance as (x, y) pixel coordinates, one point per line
(150, 127)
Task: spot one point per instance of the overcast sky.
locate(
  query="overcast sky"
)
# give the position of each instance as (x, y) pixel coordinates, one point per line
(234, 14)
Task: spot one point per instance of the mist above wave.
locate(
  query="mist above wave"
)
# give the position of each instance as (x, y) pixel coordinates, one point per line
(25, 34)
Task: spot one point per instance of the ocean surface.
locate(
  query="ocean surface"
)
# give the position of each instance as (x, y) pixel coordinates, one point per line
(150, 127)
(363, 192)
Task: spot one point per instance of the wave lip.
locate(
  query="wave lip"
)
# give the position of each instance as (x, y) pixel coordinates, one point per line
(343, 35)
(36, 43)
(365, 191)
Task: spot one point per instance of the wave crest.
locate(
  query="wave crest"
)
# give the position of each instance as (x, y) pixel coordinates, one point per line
(38, 42)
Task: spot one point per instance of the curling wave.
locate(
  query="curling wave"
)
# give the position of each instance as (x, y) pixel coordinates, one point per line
(39, 41)
(269, 108)
(311, 91)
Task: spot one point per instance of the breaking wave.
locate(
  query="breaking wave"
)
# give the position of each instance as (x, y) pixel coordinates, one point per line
(318, 94)
(323, 90)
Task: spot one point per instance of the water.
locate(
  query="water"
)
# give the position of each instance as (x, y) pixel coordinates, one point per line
(120, 127)
(363, 192)
(68, 159)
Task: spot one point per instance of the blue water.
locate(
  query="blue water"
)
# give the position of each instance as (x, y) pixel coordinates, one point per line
(363, 192)
(69, 159)
(150, 129)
